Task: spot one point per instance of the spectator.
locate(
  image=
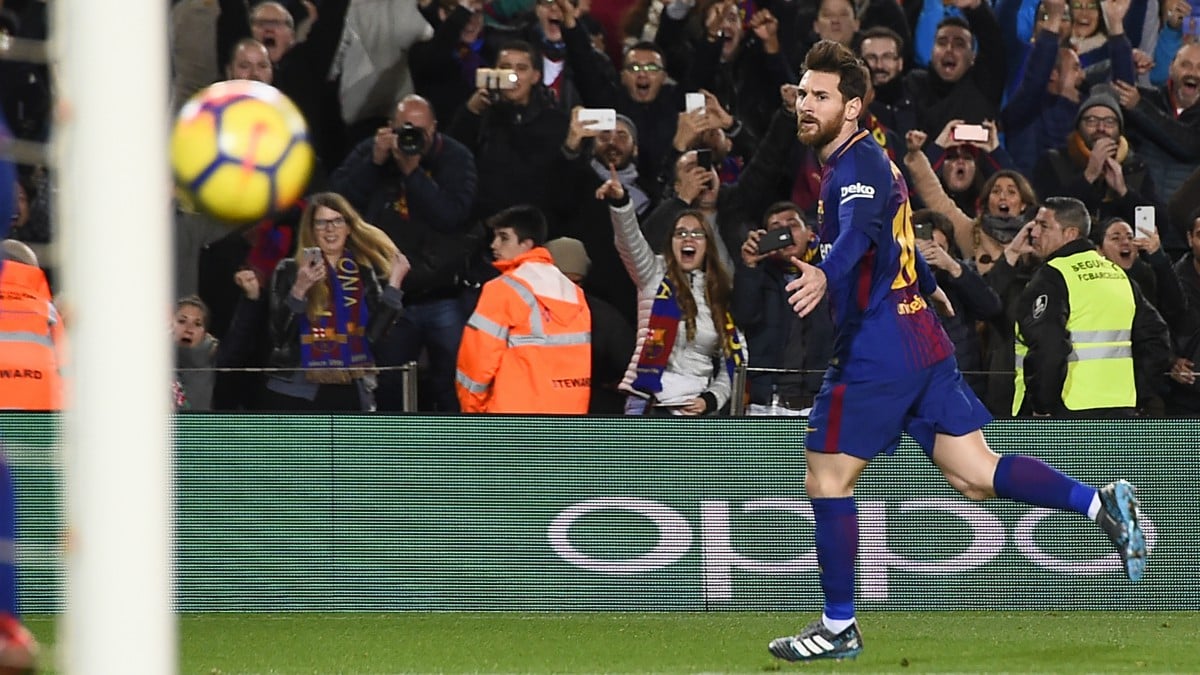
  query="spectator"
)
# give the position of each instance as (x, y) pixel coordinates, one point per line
(546, 33)
(300, 66)
(371, 66)
(732, 143)
(1097, 166)
(1042, 109)
(418, 186)
(1184, 399)
(585, 163)
(776, 336)
(327, 309)
(1087, 339)
(1164, 122)
(514, 134)
(751, 65)
(882, 49)
(1169, 39)
(443, 68)
(195, 352)
(687, 344)
(643, 93)
(728, 206)
(612, 334)
(1144, 261)
(250, 61)
(527, 347)
(964, 166)
(962, 82)
(970, 296)
(1142, 257)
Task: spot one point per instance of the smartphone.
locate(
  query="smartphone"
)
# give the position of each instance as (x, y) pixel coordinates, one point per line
(1143, 222)
(773, 240)
(495, 78)
(311, 255)
(970, 133)
(602, 119)
(704, 158)
(693, 101)
(923, 230)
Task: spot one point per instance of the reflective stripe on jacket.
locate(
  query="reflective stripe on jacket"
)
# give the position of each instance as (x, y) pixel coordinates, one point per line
(1099, 369)
(30, 333)
(527, 347)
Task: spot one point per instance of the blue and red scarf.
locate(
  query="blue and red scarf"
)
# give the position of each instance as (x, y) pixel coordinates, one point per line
(663, 328)
(334, 348)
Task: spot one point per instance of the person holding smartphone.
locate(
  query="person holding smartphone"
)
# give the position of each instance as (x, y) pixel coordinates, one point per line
(776, 337)
(327, 309)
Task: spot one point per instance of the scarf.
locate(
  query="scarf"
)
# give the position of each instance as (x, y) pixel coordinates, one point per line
(336, 339)
(664, 328)
(628, 178)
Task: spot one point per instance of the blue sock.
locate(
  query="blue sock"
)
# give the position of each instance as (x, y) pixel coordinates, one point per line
(836, 538)
(8, 540)
(1032, 481)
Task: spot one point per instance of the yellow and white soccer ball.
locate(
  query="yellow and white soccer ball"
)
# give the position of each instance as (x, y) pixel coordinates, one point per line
(240, 151)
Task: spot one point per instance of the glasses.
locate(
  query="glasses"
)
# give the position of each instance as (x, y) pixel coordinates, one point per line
(1106, 122)
(328, 223)
(690, 234)
(643, 68)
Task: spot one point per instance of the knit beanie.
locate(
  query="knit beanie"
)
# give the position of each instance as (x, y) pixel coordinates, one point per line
(569, 255)
(1102, 95)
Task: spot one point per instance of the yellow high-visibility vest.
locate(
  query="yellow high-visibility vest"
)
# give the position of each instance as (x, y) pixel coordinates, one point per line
(1100, 328)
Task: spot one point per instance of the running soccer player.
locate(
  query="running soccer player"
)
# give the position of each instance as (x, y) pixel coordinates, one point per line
(893, 368)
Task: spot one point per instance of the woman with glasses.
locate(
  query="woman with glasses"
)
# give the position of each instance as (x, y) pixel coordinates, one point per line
(687, 345)
(327, 308)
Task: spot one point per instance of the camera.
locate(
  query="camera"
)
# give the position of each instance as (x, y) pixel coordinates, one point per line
(923, 230)
(495, 79)
(410, 139)
(704, 158)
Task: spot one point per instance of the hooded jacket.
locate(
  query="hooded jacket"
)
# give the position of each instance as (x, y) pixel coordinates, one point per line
(527, 347)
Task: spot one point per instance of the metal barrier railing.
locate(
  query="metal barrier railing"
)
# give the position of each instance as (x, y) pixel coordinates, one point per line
(408, 378)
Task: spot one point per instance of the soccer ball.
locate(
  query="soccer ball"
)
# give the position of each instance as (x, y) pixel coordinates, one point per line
(240, 151)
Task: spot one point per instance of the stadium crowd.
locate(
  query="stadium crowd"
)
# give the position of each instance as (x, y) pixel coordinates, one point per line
(430, 117)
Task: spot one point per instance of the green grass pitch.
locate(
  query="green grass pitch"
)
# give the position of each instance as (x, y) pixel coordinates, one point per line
(714, 642)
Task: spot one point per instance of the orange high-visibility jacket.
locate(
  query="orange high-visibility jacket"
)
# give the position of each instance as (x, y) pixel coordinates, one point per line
(30, 335)
(527, 348)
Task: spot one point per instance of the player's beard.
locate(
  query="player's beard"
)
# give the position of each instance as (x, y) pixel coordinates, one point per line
(823, 134)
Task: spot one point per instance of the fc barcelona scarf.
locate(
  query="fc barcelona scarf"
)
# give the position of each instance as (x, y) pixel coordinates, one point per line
(334, 348)
(663, 328)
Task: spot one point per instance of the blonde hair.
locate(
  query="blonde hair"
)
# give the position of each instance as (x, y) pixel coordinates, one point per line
(370, 245)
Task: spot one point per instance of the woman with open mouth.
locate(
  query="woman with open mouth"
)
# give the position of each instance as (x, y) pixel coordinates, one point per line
(687, 345)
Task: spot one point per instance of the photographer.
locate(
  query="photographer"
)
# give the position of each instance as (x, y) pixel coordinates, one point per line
(418, 186)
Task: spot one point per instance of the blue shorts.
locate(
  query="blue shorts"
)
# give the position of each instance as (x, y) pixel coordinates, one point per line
(865, 418)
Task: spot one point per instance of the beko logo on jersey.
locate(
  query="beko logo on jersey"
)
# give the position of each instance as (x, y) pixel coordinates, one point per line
(856, 191)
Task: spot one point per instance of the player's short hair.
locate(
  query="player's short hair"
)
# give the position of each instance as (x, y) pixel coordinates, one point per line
(828, 56)
(780, 207)
(526, 221)
(1070, 212)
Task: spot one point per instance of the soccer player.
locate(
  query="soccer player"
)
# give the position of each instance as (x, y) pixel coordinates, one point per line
(893, 368)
